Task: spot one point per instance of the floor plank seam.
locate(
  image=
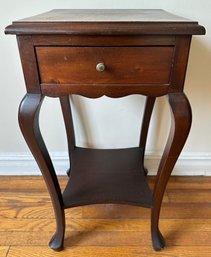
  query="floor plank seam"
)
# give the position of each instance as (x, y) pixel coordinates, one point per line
(8, 251)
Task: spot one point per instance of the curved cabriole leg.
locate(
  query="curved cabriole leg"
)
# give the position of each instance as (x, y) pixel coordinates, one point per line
(29, 124)
(180, 127)
(68, 121)
(149, 104)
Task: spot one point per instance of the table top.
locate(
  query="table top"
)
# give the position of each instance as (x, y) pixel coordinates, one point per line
(106, 21)
(107, 15)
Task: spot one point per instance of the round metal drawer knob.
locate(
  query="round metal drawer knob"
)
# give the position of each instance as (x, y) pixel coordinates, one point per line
(100, 67)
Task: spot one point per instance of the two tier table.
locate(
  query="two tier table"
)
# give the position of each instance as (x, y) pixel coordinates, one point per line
(113, 53)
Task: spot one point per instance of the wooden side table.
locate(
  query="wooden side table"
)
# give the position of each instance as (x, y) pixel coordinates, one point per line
(114, 53)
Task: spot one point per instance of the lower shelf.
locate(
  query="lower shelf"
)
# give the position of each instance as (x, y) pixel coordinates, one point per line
(107, 176)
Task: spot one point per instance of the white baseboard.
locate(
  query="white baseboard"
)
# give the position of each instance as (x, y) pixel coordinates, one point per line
(197, 164)
(24, 164)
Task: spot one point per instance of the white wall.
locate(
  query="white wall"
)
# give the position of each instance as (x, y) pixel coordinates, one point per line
(105, 122)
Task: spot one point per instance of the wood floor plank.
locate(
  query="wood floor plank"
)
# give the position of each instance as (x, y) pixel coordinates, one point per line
(190, 182)
(189, 195)
(3, 251)
(76, 238)
(36, 183)
(27, 222)
(83, 225)
(110, 252)
(19, 199)
(36, 211)
(23, 207)
(106, 238)
(27, 183)
(168, 210)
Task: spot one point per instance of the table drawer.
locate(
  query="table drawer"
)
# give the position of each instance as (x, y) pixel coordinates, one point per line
(77, 65)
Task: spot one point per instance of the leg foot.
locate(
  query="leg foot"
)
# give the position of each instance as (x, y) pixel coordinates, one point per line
(56, 242)
(158, 241)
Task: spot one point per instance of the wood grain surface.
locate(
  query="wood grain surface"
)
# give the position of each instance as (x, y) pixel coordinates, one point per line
(77, 65)
(105, 230)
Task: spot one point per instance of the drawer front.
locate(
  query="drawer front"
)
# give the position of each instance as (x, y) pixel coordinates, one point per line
(123, 65)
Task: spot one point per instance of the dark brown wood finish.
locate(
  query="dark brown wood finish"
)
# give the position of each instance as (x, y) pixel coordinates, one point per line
(77, 65)
(108, 40)
(29, 64)
(144, 52)
(180, 127)
(29, 124)
(106, 22)
(149, 105)
(68, 121)
(107, 176)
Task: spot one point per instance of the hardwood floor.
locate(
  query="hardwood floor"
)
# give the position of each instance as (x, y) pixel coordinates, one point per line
(27, 222)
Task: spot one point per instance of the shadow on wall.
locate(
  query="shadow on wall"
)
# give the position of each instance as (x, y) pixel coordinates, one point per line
(198, 90)
(198, 79)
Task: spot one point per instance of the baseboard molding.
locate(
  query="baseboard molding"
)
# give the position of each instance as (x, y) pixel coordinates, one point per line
(197, 164)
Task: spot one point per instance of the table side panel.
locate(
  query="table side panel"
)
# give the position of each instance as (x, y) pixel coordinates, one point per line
(29, 64)
(180, 63)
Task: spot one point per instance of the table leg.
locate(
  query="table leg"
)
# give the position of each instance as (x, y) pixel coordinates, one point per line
(68, 121)
(29, 124)
(149, 104)
(180, 127)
